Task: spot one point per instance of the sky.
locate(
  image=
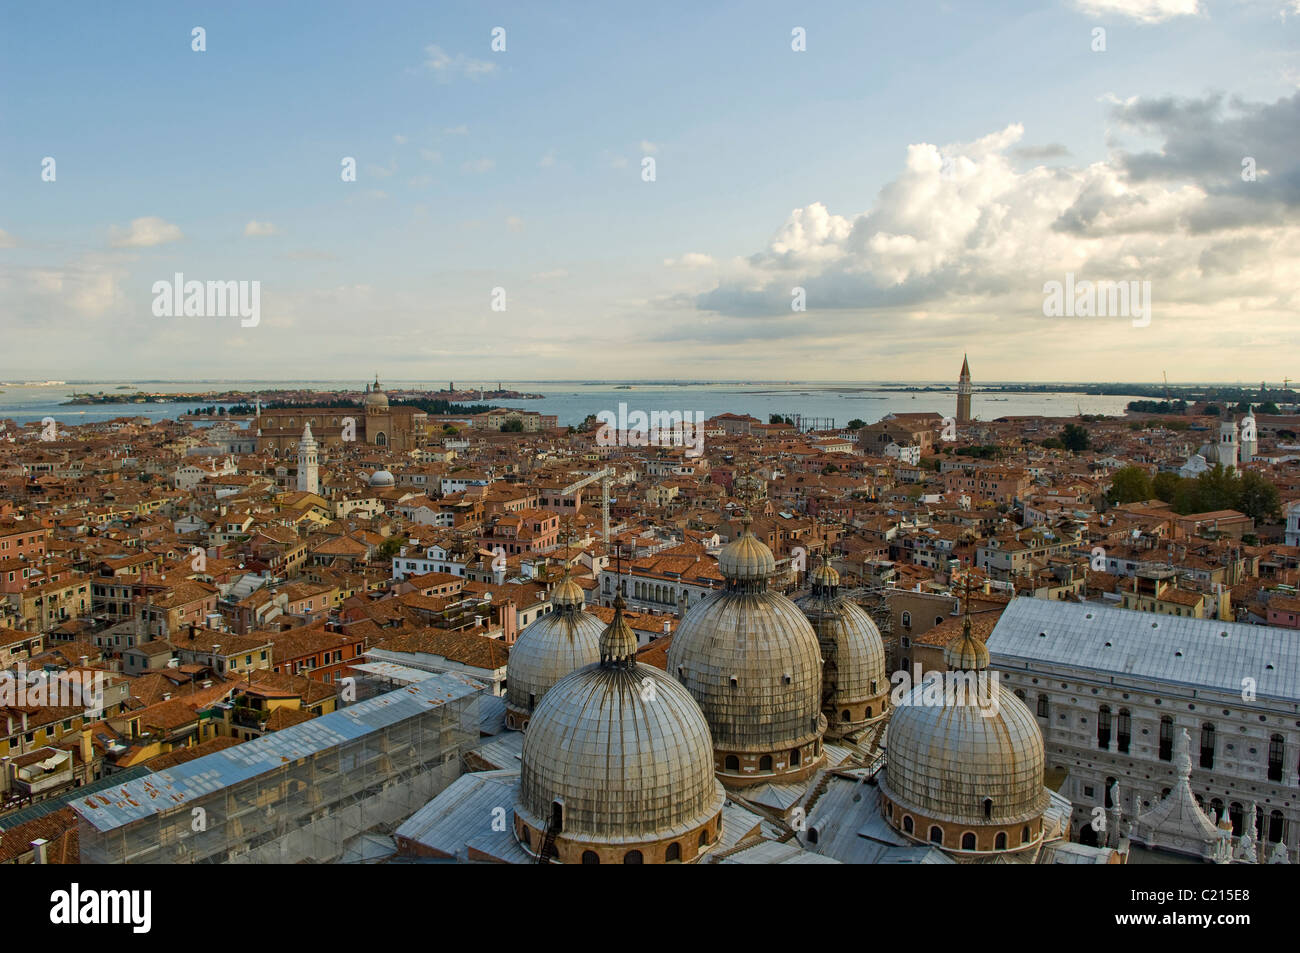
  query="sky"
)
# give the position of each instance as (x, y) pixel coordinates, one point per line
(748, 190)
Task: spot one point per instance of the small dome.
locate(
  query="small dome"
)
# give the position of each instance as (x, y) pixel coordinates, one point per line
(382, 478)
(375, 397)
(853, 652)
(567, 593)
(549, 648)
(825, 575)
(746, 557)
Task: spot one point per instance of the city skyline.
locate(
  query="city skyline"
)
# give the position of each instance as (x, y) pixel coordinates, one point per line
(919, 224)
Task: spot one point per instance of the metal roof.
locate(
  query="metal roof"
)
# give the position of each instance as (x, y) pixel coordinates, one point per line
(1202, 653)
(122, 804)
(462, 811)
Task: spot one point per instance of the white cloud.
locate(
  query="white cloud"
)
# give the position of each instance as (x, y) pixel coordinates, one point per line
(690, 260)
(431, 155)
(144, 233)
(648, 147)
(515, 224)
(478, 166)
(7, 240)
(256, 229)
(1144, 11)
(548, 161)
(399, 139)
(445, 66)
(461, 130)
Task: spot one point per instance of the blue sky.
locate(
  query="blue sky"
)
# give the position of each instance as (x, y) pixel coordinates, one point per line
(521, 170)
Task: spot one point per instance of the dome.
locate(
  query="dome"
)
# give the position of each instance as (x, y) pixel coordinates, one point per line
(949, 763)
(382, 478)
(751, 660)
(617, 760)
(746, 557)
(375, 396)
(855, 682)
(549, 648)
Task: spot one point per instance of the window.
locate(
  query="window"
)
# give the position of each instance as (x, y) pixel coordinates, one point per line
(968, 841)
(988, 807)
(1207, 745)
(1000, 842)
(1024, 835)
(673, 853)
(907, 620)
(1043, 710)
(1166, 738)
(1103, 727)
(1125, 730)
(732, 763)
(1275, 749)
(936, 835)
(907, 823)
(633, 857)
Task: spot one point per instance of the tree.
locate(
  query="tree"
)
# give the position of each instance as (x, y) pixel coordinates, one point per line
(1213, 410)
(1052, 443)
(1165, 485)
(1074, 438)
(856, 424)
(1258, 498)
(1216, 490)
(1268, 407)
(1129, 485)
(513, 425)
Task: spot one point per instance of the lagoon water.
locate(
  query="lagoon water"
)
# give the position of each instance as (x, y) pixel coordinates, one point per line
(572, 401)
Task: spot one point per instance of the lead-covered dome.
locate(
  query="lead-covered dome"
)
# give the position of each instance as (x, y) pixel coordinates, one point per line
(751, 660)
(382, 478)
(549, 648)
(965, 759)
(375, 397)
(855, 684)
(617, 765)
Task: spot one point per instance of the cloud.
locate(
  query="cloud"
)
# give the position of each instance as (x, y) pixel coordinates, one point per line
(1144, 11)
(960, 230)
(548, 161)
(7, 240)
(461, 130)
(431, 155)
(1053, 150)
(689, 260)
(478, 166)
(445, 66)
(256, 229)
(399, 139)
(515, 224)
(550, 275)
(648, 147)
(144, 233)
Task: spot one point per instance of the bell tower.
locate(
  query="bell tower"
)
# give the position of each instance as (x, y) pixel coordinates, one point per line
(963, 393)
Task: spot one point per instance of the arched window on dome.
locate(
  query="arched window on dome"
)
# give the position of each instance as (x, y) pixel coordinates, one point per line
(844, 715)
(765, 763)
(988, 807)
(732, 763)
(1000, 842)
(936, 835)
(907, 823)
(968, 841)
(673, 854)
(633, 857)
(868, 711)
(704, 838)
(1024, 835)
(794, 758)
(590, 857)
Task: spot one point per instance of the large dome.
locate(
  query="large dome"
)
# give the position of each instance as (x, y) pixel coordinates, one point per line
(617, 765)
(382, 478)
(855, 683)
(549, 648)
(751, 660)
(965, 759)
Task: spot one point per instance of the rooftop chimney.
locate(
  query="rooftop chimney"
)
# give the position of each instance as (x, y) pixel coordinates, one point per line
(40, 851)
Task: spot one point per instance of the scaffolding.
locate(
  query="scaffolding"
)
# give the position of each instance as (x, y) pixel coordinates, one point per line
(295, 796)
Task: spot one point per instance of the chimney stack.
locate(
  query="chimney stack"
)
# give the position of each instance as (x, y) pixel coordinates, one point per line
(40, 851)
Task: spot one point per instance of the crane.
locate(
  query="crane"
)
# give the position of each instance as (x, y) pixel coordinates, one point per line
(606, 478)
